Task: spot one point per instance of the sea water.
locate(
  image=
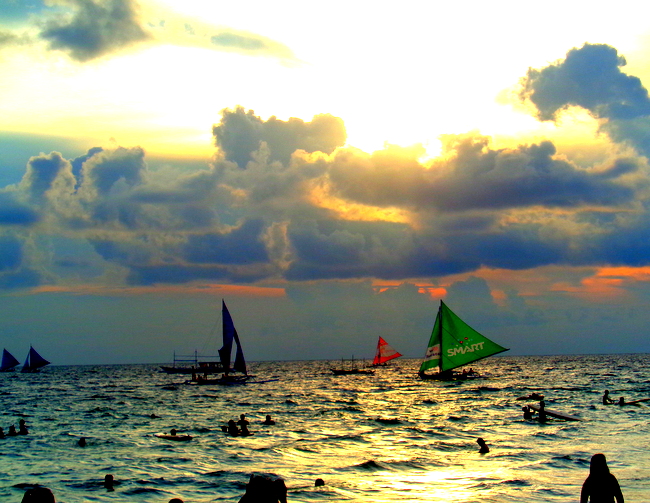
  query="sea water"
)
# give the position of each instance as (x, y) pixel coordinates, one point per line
(385, 437)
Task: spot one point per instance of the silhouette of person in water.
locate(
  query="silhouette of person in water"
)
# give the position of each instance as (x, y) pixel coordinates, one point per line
(621, 401)
(82, 442)
(12, 431)
(528, 412)
(484, 447)
(244, 432)
(600, 486)
(319, 482)
(242, 420)
(22, 427)
(232, 428)
(109, 482)
(172, 432)
(264, 489)
(2, 433)
(38, 495)
(606, 399)
(175, 500)
(268, 420)
(541, 416)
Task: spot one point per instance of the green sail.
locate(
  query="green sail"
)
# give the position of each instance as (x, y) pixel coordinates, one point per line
(454, 343)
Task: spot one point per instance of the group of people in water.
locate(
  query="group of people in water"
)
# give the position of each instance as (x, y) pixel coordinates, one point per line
(609, 401)
(601, 486)
(12, 432)
(240, 428)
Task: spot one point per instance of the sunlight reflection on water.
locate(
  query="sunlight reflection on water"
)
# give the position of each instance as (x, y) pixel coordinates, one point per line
(382, 438)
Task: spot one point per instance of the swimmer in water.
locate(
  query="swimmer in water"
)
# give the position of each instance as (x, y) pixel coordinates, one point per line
(484, 447)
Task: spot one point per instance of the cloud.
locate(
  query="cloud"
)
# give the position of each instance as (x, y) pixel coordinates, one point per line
(288, 201)
(88, 30)
(14, 213)
(470, 175)
(241, 132)
(10, 253)
(45, 174)
(95, 28)
(590, 77)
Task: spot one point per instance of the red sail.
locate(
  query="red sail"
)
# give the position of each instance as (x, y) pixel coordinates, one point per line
(385, 352)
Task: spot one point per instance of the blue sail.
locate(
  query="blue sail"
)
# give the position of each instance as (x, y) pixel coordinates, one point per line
(34, 361)
(8, 361)
(230, 335)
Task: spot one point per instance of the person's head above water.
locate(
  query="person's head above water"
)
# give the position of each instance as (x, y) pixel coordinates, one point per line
(598, 465)
(38, 495)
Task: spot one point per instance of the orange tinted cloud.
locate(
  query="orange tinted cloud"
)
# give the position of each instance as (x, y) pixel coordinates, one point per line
(205, 289)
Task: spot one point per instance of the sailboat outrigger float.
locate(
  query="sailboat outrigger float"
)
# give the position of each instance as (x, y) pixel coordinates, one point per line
(454, 343)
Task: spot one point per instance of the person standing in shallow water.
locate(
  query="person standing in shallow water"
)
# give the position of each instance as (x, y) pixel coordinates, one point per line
(600, 486)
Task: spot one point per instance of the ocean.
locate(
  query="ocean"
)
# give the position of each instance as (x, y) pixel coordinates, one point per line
(385, 437)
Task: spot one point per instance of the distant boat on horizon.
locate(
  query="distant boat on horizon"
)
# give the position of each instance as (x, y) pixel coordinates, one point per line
(9, 363)
(34, 362)
(453, 343)
(385, 353)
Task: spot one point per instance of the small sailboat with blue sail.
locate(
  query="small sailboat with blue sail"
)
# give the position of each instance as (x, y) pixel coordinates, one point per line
(34, 362)
(9, 363)
(453, 343)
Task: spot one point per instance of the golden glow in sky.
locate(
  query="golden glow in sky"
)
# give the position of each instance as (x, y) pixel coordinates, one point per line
(402, 75)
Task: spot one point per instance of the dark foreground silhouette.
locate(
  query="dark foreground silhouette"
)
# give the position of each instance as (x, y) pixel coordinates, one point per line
(600, 486)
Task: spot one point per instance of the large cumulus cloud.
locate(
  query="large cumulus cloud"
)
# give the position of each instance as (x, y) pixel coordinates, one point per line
(590, 77)
(241, 132)
(287, 200)
(473, 176)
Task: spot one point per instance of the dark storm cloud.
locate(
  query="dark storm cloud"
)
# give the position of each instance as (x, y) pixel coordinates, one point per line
(329, 250)
(13, 213)
(590, 77)
(24, 278)
(241, 132)
(95, 28)
(174, 274)
(473, 176)
(11, 253)
(239, 246)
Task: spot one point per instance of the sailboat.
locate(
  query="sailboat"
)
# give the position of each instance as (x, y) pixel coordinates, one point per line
(9, 363)
(196, 365)
(34, 362)
(352, 368)
(385, 353)
(454, 343)
(230, 335)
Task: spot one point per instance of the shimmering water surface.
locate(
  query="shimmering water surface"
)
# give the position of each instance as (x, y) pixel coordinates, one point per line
(380, 438)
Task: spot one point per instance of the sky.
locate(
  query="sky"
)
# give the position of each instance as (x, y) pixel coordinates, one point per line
(332, 170)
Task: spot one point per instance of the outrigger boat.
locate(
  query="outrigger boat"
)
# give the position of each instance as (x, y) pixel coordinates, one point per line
(453, 343)
(239, 365)
(34, 362)
(385, 353)
(350, 369)
(196, 365)
(9, 363)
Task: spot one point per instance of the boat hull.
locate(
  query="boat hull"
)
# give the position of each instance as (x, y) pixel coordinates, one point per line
(342, 372)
